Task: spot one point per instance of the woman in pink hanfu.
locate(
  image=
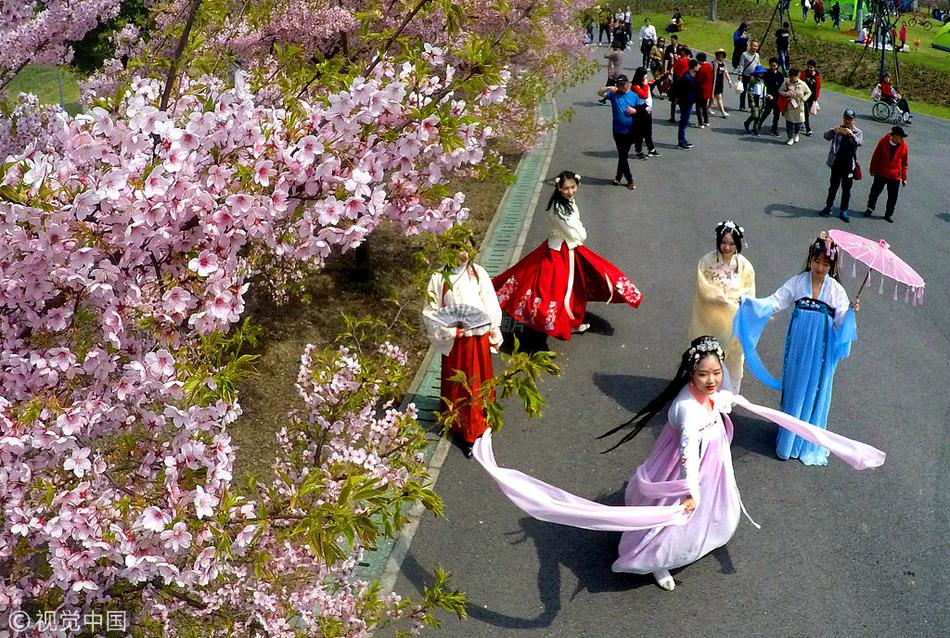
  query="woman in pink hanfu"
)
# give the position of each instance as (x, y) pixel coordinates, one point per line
(683, 501)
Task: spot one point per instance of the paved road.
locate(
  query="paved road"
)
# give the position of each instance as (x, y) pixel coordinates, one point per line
(843, 553)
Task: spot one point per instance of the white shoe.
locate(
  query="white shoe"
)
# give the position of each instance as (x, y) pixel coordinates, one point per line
(664, 580)
(796, 138)
(724, 114)
(584, 327)
(790, 142)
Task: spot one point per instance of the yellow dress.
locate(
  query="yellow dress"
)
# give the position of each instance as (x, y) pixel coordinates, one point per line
(718, 289)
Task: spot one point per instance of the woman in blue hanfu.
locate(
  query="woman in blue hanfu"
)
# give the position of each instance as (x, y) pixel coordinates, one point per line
(819, 335)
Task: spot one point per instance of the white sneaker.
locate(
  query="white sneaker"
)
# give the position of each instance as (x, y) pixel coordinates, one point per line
(584, 327)
(664, 580)
(724, 114)
(790, 142)
(796, 138)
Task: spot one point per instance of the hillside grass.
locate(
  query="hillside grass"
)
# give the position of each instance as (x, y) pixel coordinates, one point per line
(837, 67)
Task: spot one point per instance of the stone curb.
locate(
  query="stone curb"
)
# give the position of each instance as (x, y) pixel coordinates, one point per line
(504, 241)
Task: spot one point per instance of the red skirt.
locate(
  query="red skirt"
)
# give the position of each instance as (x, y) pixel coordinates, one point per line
(472, 356)
(540, 291)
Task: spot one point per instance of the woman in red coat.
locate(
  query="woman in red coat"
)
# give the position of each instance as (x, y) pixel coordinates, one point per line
(889, 168)
(705, 76)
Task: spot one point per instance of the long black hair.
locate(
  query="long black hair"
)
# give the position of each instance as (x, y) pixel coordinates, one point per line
(731, 228)
(556, 197)
(826, 246)
(699, 349)
(639, 76)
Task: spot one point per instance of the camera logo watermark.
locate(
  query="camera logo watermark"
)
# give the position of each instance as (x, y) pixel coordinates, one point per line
(111, 620)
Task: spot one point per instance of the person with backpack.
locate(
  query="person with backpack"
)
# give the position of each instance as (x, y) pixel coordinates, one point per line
(756, 100)
(747, 62)
(686, 94)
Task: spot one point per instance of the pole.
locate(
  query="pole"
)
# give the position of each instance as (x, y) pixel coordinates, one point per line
(867, 278)
(59, 77)
(713, 6)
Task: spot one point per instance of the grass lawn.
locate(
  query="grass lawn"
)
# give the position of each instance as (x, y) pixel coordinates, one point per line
(708, 36)
(926, 55)
(43, 81)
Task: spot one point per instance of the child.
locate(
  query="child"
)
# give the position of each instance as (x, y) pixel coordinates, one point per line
(548, 290)
(756, 97)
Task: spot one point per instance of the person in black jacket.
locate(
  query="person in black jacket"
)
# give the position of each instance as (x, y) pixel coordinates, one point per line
(686, 94)
(774, 78)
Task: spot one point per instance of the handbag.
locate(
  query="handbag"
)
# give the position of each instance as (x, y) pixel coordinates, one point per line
(857, 172)
(814, 108)
(782, 103)
(739, 87)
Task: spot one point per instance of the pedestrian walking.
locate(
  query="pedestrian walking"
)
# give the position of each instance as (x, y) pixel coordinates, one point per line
(836, 15)
(705, 77)
(467, 350)
(747, 62)
(549, 289)
(740, 43)
(686, 95)
(604, 18)
(889, 168)
(683, 501)
(722, 80)
(820, 332)
(623, 104)
(756, 99)
(782, 40)
(818, 12)
(647, 40)
(723, 277)
(806, 5)
(678, 69)
(795, 93)
(614, 65)
(670, 52)
(812, 77)
(643, 117)
(843, 162)
(774, 79)
(656, 58)
(903, 35)
(628, 22)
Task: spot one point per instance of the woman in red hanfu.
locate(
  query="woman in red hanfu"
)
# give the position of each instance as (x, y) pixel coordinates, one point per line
(549, 289)
(464, 349)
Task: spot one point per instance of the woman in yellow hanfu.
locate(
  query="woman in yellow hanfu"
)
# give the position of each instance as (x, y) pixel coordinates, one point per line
(722, 278)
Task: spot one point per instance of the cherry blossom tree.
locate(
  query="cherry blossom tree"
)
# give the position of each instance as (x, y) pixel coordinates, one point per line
(131, 235)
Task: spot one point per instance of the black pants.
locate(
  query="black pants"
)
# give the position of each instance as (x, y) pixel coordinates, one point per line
(643, 132)
(746, 80)
(792, 128)
(604, 29)
(808, 104)
(702, 111)
(893, 190)
(623, 141)
(844, 179)
(771, 106)
(673, 101)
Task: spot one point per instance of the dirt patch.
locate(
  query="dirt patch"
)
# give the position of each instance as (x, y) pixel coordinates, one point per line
(338, 289)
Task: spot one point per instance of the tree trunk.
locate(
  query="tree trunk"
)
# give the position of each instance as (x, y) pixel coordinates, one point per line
(713, 5)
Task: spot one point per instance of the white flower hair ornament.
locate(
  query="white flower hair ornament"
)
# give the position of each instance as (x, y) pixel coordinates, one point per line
(731, 225)
(709, 345)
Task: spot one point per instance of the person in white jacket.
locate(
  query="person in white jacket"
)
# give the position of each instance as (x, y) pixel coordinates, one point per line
(647, 40)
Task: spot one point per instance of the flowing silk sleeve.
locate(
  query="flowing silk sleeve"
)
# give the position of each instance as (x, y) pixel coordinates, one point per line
(750, 321)
(711, 311)
(441, 337)
(546, 502)
(746, 277)
(845, 335)
(858, 455)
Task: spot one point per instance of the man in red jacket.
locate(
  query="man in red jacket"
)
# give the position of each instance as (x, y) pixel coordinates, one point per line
(889, 168)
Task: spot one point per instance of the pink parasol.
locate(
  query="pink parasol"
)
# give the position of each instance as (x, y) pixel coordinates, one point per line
(877, 256)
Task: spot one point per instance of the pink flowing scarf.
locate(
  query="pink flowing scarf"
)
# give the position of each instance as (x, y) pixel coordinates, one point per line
(546, 502)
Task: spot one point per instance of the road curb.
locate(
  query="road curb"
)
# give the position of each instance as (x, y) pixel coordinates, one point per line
(504, 242)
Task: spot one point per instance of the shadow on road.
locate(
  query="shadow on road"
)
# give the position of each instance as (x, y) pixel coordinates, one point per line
(612, 153)
(944, 216)
(631, 392)
(588, 103)
(789, 210)
(598, 325)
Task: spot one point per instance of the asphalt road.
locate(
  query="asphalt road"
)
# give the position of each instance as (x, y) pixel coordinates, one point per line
(840, 553)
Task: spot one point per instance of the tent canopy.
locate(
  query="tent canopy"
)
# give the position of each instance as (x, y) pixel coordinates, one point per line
(942, 39)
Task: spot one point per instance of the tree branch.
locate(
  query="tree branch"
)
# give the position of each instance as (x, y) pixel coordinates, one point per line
(179, 50)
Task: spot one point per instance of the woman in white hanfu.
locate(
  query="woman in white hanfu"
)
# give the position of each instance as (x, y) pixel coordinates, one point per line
(464, 349)
(682, 502)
